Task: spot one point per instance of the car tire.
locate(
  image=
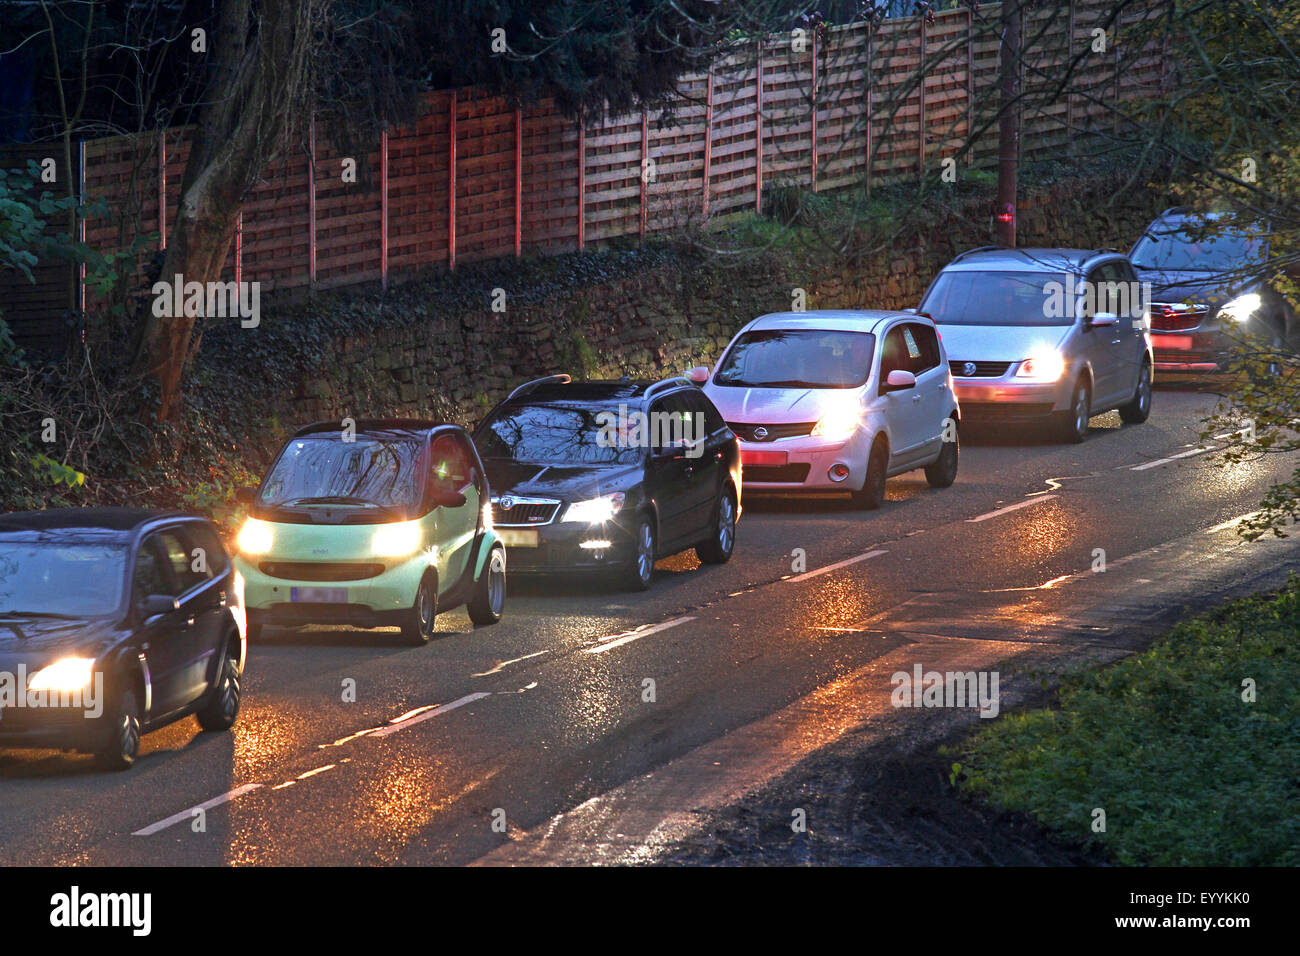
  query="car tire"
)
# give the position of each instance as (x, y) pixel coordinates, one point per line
(1138, 408)
(121, 743)
(872, 494)
(222, 709)
(639, 572)
(417, 623)
(942, 472)
(1074, 421)
(490, 590)
(721, 543)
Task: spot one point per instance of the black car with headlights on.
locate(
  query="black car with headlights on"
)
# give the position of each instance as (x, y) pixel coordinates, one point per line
(610, 476)
(1210, 288)
(114, 622)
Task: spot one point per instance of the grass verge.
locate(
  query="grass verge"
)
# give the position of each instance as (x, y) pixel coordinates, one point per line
(1192, 748)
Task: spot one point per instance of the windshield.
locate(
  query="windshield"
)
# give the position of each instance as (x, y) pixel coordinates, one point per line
(555, 435)
(797, 358)
(999, 298)
(60, 579)
(1175, 248)
(367, 473)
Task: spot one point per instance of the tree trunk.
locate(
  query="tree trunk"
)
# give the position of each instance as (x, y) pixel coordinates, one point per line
(1009, 123)
(258, 75)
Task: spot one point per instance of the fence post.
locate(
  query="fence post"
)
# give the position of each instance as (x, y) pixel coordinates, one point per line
(451, 187)
(162, 189)
(519, 182)
(239, 247)
(920, 127)
(383, 207)
(708, 137)
(81, 223)
(311, 202)
(645, 154)
(871, 33)
(758, 132)
(582, 185)
(813, 176)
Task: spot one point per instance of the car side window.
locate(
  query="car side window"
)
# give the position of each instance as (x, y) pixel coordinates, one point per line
(205, 550)
(151, 572)
(927, 345)
(894, 356)
(177, 552)
(450, 467)
(701, 410)
(670, 419)
(1093, 304)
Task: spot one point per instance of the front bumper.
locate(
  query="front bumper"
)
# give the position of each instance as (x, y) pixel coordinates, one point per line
(368, 602)
(804, 463)
(559, 547)
(1004, 399)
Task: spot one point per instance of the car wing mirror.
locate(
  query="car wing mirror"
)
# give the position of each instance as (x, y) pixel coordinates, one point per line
(158, 604)
(699, 375)
(899, 379)
(245, 496)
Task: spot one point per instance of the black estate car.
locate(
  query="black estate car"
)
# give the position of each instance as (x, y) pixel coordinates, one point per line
(590, 476)
(114, 622)
(1209, 283)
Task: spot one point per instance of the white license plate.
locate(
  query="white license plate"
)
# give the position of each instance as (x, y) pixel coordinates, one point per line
(319, 595)
(524, 538)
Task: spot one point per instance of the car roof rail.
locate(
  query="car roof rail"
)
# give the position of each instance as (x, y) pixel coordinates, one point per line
(1175, 211)
(667, 384)
(970, 252)
(524, 389)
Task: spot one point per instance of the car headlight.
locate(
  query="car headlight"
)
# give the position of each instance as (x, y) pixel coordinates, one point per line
(397, 540)
(595, 510)
(1242, 307)
(1046, 367)
(68, 674)
(254, 537)
(838, 422)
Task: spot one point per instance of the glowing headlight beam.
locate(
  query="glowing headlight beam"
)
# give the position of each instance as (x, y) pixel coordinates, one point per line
(397, 540)
(68, 674)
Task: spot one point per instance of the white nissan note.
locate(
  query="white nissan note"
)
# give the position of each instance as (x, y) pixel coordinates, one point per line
(837, 401)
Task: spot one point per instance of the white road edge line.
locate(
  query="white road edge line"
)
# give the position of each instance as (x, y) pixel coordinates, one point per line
(1016, 507)
(838, 564)
(420, 718)
(175, 818)
(627, 637)
(1165, 461)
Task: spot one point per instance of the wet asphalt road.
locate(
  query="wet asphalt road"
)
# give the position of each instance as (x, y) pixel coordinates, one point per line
(534, 716)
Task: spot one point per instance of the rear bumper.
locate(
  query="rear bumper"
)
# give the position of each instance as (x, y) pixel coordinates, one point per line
(1195, 351)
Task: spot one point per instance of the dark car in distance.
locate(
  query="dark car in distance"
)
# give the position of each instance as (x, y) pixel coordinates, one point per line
(1209, 285)
(114, 622)
(610, 476)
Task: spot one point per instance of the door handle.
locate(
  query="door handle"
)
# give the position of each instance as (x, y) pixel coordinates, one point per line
(189, 621)
(1115, 341)
(915, 399)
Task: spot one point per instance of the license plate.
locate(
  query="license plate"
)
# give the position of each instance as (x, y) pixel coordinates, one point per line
(1172, 341)
(520, 539)
(319, 595)
(763, 457)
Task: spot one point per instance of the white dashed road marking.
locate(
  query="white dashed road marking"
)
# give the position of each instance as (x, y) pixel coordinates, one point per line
(1165, 461)
(1016, 507)
(175, 818)
(627, 637)
(838, 564)
(420, 716)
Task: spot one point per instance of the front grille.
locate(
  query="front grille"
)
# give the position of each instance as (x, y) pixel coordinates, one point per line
(524, 512)
(790, 430)
(320, 570)
(979, 370)
(783, 473)
(1166, 317)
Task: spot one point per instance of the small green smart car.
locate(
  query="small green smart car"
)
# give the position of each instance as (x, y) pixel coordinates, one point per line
(372, 523)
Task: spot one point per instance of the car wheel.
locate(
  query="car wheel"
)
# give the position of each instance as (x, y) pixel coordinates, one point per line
(220, 712)
(1138, 408)
(490, 589)
(1074, 423)
(417, 628)
(872, 494)
(121, 741)
(722, 540)
(942, 472)
(637, 575)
